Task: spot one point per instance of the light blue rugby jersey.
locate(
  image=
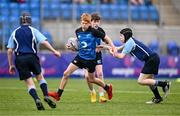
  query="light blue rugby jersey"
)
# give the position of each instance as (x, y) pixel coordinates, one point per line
(24, 39)
(137, 49)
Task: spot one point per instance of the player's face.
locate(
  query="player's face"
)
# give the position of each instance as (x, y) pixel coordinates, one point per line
(85, 25)
(122, 38)
(95, 23)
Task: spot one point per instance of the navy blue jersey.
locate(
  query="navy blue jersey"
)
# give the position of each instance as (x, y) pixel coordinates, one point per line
(98, 41)
(87, 42)
(137, 49)
(25, 39)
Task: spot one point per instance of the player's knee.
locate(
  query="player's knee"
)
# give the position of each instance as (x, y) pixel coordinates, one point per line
(66, 74)
(100, 75)
(86, 77)
(91, 80)
(39, 77)
(88, 80)
(140, 81)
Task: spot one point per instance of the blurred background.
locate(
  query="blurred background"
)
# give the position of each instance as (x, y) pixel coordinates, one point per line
(154, 22)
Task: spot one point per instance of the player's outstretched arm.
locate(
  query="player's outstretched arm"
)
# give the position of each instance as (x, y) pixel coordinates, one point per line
(120, 48)
(119, 55)
(109, 41)
(47, 45)
(103, 47)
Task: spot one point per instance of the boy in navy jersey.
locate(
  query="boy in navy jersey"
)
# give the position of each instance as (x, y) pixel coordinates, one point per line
(151, 66)
(86, 57)
(23, 42)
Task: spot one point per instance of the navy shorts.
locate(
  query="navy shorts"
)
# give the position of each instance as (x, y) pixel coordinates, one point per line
(27, 63)
(151, 65)
(86, 64)
(99, 58)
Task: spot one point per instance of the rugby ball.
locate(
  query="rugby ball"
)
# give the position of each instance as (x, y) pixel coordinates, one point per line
(73, 43)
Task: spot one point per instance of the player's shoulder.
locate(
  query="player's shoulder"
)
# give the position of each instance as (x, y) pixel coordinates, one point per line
(93, 30)
(101, 29)
(17, 28)
(130, 42)
(33, 28)
(78, 29)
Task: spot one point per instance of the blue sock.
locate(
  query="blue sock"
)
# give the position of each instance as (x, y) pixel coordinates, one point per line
(43, 85)
(33, 93)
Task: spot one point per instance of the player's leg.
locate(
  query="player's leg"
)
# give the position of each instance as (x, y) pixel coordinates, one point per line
(150, 69)
(70, 69)
(97, 81)
(32, 91)
(99, 73)
(147, 79)
(90, 86)
(24, 69)
(35, 67)
(44, 88)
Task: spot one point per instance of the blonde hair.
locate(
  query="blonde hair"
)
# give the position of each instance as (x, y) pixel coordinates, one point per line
(86, 17)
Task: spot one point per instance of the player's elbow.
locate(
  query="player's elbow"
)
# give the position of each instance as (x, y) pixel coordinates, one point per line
(106, 39)
(44, 42)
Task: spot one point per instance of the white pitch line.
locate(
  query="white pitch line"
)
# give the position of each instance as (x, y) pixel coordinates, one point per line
(75, 90)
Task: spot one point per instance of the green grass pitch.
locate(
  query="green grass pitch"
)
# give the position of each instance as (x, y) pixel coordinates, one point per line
(129, 99)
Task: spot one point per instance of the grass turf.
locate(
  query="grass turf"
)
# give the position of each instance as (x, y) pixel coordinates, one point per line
(129, 99)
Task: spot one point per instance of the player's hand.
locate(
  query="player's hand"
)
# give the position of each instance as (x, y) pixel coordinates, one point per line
(111, 51)
(57, 53)
(114, 49)
(115, 54)
(70, 48)
(99, 48)
(12, 70)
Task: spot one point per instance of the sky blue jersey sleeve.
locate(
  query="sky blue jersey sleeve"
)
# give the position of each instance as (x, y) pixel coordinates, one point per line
(39, 36)
(128, 46)
(11, 41)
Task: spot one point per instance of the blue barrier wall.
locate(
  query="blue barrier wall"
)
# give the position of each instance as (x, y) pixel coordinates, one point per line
(113, 67)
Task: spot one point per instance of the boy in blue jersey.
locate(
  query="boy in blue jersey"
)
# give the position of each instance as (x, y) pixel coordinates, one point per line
(23, 42)
(151, 66)
(86, 57)
(95, 23)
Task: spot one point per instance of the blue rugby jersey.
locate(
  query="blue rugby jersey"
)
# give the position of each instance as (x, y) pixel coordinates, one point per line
(24, 39)
(137, 49)
(87, 42)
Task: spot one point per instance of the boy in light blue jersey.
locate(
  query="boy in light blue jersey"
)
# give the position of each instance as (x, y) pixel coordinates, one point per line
(151, 66)
(23, 42)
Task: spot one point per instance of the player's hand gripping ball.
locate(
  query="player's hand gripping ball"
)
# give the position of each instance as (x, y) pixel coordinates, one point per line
(72, 44)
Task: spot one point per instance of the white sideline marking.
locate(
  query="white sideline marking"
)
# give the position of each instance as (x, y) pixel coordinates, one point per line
(75, 90)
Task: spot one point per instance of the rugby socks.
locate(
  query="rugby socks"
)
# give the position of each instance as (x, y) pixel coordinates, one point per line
(160, 83)
(33, 93)
(106, 87)
(101, 94)
(43, 86)
(60, 91)
(155, 91)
